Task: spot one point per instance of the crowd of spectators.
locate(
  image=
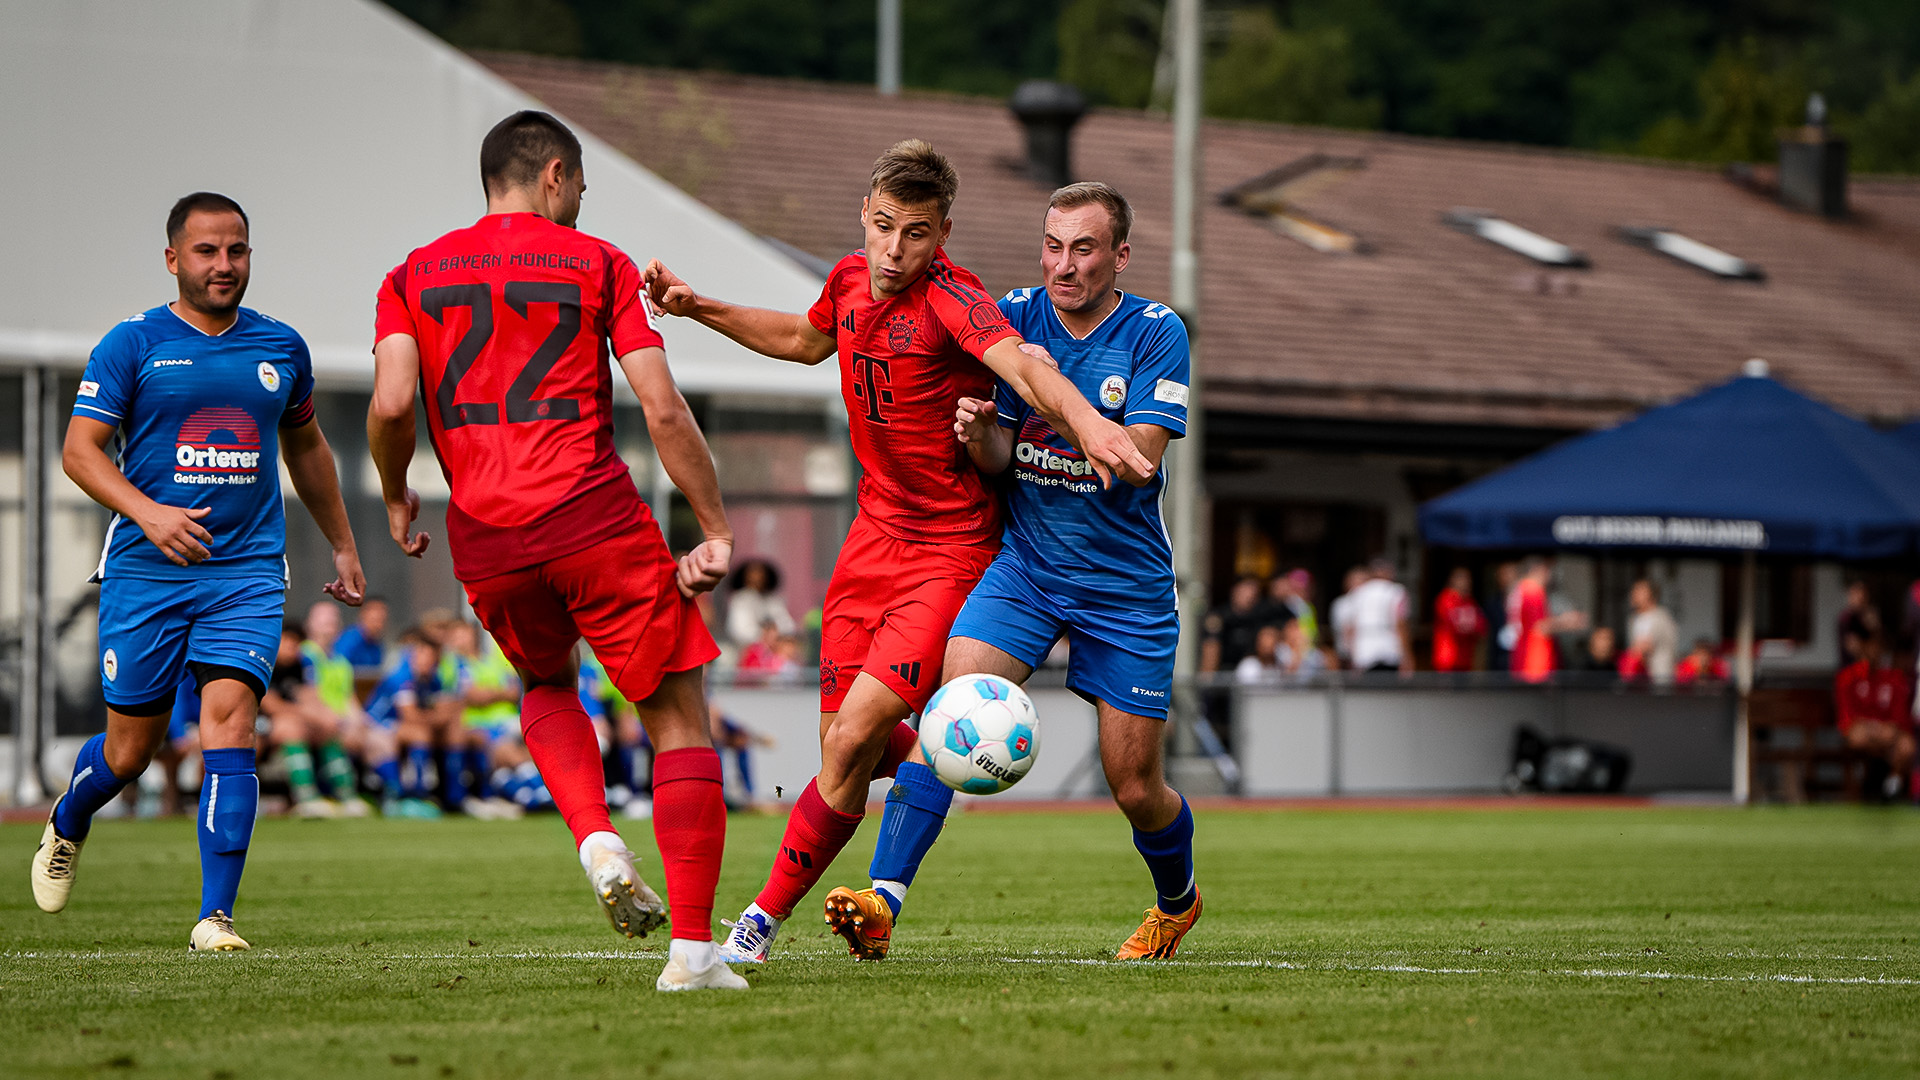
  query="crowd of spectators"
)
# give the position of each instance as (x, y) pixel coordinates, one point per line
(419, 724)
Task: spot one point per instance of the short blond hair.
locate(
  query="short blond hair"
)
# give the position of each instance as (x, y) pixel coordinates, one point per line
(913, 172)
(1095, 193)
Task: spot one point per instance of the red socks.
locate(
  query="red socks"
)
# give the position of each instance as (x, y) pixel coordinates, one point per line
(815, 834)
(560, 738)
(690, 825)
(900, 743)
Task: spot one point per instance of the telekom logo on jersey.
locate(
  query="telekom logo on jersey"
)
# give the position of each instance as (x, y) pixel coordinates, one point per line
(219, 444)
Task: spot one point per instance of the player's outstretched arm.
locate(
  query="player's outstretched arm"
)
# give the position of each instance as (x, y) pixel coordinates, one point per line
(310, 465)
(1032, 374)
(783, 335)
(175, 530)
(390, 435)
(689, 464)
(976, 423)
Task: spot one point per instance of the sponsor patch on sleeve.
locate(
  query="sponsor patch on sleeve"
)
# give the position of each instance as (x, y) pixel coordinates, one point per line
(89, 389)
(1169, 391)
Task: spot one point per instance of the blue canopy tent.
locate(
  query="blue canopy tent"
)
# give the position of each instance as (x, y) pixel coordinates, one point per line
(1746, 466)
(1909, 434)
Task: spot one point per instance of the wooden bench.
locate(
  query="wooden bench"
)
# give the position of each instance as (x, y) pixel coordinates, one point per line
(1795, 753)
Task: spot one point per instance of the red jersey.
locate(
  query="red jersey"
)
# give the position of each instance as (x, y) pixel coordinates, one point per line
(1864, 692)
(905, 362)
(1457, 626)
(514, 315)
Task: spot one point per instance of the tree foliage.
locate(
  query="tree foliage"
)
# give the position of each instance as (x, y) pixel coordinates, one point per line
(1700, 79)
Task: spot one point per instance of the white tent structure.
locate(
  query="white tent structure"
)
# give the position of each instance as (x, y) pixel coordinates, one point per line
(349, 134)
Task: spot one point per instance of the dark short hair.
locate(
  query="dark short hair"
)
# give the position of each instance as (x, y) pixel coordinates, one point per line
(1094, 193)
(209, 201)
(517, 148)
(292, 628)
(913, 172)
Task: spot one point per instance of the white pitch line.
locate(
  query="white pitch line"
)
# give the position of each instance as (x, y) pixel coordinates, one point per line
(1275, 965)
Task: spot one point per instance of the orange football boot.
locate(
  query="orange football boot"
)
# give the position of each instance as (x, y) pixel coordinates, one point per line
(1159, 936)
(864, 919)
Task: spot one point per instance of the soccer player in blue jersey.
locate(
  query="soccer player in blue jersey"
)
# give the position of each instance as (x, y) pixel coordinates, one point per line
(1079, 559)
(198, 396)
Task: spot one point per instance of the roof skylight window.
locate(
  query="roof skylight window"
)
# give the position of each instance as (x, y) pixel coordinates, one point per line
(1495, 230)
(1692, 252)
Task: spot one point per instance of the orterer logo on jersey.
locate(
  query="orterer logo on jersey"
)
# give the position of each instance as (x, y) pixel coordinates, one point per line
(1039, 459)
(219, 444)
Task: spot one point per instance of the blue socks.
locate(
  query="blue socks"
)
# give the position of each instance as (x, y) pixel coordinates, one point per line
(454, 784)
(482, 786)
(418, 774)
(916, 809)
(1169, 856)
(229, 800)
(93, 786)
(389, 773)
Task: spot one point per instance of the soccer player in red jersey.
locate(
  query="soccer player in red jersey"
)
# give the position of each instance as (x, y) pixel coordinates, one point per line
(509, 323)
(915, 334)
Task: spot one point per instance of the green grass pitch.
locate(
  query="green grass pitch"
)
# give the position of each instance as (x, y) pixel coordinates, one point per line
(1367, 942)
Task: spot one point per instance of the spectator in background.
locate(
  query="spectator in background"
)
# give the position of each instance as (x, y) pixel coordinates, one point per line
(1859, 620)
(771, 658)
(1458, 624)
(1300, 660)
(753, 600)
(1703, 664)
(1230, 631)
(364, 645)
(1534, 657)
(1340, 614)
(296, 721)
(1287, 602)
(1652, 637)
(1871, 703)
(1262, 665)
(1602, 655)
(1377, 622)
(731, 737)
(1494, 607)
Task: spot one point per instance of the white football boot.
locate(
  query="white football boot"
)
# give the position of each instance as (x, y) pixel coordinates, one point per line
(215, 934)
(750, 938)
(696, 965)
(53, 867)
(632, 907)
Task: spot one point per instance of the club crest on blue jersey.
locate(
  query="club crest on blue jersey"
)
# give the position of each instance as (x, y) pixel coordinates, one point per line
(269, 377)
(1113, 392)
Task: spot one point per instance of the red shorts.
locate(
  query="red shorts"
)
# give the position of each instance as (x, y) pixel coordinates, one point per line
(889, 609)
(618, 594)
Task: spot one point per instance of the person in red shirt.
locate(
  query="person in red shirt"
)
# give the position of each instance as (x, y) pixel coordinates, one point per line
(1703, 664)
(915, 334)
(505, 327)
(1535, 657)
(1457, 624)
(1873, 706)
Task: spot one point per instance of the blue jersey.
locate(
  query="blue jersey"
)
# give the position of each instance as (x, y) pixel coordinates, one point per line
(1100, 545)
(400, 687)
(198, 418)
(360, 650)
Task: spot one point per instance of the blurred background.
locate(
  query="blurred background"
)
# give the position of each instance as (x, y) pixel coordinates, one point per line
(1434, 239)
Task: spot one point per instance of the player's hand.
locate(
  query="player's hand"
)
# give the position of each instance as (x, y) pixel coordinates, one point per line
(400, 518)
(1040, 353)
(666, 292)
(349, 585)
(974, 420)
(704, 567)
(1111, 452)
(177, 532)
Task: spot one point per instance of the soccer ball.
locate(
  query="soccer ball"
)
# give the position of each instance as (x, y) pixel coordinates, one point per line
(979, 734)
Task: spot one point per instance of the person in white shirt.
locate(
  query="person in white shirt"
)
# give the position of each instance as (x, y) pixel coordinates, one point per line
(1340, 614)
(1377, 623)
(755, 600)
(1652, 636)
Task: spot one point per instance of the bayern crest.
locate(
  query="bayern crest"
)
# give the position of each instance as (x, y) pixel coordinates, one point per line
(900, 330)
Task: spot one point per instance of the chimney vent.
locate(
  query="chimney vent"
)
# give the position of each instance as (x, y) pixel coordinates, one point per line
(1048, 111)
(1813, 165)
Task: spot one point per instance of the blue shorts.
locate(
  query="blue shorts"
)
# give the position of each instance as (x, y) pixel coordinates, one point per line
(1118, 655)
(151, 630)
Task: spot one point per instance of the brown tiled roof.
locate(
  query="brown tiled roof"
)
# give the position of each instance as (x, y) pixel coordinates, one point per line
(1429, 324)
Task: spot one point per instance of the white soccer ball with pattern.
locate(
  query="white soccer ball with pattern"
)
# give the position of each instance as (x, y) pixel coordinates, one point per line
(980, 734)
